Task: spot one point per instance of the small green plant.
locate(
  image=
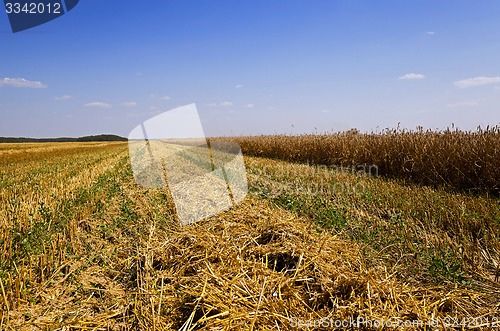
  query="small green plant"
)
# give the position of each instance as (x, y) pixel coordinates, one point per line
(445, 267)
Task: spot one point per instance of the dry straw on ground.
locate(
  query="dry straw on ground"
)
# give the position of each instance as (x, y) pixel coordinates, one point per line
(255, 267)
(84, 248)
(259, 267)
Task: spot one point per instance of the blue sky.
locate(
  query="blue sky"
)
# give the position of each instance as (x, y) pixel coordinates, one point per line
(254, 67)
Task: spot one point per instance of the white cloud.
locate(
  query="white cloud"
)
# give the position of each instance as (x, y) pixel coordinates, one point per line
(430, 33)
(21, 82)
(220, 104)
(464, 104)
(154, 96)
(476, 81)
(129, 104)
(63, 97)
(250, 105)
(497, 88)
(412, 76)
(226, 104)
(97, 104)
(239, 86)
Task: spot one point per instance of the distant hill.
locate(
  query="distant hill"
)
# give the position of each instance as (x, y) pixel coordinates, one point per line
(101, 137)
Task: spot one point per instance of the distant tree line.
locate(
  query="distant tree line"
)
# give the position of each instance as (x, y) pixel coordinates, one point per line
(102, 137)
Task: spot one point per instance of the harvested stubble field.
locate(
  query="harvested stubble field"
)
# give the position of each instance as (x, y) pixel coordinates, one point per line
(84, 248)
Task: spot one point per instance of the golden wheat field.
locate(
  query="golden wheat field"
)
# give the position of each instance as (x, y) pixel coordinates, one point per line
(83, 247)
(466, 160)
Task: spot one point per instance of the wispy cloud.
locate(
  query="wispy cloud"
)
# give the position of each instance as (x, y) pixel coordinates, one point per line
(129, 104)
(430, 33)
(412, 76)
(239, 86)
(476, 81)
(159, 97)
(220, 104)
(63, 97)
(98, 104)
(464, 104)
(21, 82)
(249, 105)
(226, 104)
